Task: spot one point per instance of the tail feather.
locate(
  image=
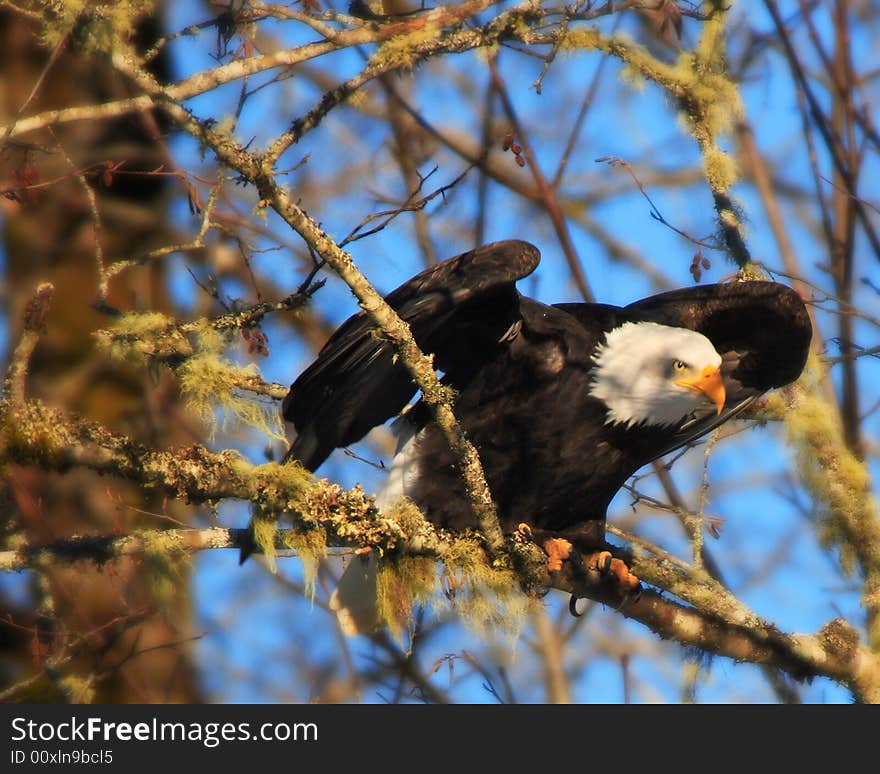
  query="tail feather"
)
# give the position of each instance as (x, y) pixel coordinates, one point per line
(355, 598)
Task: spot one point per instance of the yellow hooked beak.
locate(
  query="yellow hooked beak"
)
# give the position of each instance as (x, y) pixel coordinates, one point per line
(709, 382)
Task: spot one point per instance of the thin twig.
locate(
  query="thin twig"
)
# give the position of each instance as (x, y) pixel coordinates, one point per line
(546, 192)
(34, 325)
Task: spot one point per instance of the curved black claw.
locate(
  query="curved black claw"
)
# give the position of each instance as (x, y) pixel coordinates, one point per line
(611, 570)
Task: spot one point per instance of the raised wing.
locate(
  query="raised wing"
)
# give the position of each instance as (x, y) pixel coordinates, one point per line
(761, 329)
(459, 310)
(766, 323)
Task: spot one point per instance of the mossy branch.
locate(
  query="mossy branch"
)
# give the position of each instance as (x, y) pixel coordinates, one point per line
(259, 172)
(709, 101)
(195, 353)
(34, 434)
(712, 619)
(707, 96)
(834, 652)
(34, 323)
(416, 30)
(840, 483)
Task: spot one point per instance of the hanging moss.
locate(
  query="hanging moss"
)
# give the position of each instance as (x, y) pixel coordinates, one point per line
(402, 582)
(838, 481)
(310, 546)
(277, 489)
(78, 689)
(141, 337)
(209, 382)
(487, 599)
(165, 564)
(265, 528)
(98, 25)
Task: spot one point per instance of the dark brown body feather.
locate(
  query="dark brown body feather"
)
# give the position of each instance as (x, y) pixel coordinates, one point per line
(522, 371)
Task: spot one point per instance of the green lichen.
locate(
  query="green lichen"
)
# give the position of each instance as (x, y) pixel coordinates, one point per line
(99, 26)
(265, 527)
(486, 54)
(78, 689)
(839, 482)
(209, 381)
(487, 599)
(310, 546)
(402, 582)
(723, 104)
(580, 38)
(404, 51)
(32, 432)
(751, 272)
(276, 488)
(225, 127)
(634, 78)
(711, 48)
(638, 63)
(720, 169)
(519, 28)
(142, 337)
(410, 521)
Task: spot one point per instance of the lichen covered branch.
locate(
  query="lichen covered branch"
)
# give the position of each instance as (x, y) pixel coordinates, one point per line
(260, 173)
(833, 652)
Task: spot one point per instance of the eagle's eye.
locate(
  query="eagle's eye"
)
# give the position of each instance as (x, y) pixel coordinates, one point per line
(679, 366)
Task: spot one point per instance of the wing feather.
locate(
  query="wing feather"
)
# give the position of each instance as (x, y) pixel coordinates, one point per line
(766, 323)
(458, 310)
(761, 329)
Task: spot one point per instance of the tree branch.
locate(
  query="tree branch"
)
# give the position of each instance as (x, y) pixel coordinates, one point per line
(259, 172)
(833, 652)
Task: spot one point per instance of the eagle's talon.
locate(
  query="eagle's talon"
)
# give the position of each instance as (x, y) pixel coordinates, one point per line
(683, 342)
(609, 566)
(558, 550)
(601, 561)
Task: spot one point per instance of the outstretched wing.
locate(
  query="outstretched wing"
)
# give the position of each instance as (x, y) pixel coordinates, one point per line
(459, 310)
(765, 322)
(761, 330)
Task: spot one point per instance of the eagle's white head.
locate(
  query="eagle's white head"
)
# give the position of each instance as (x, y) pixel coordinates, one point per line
(657, 374)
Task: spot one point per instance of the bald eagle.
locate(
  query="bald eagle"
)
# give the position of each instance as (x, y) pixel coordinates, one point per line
(563, 402)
